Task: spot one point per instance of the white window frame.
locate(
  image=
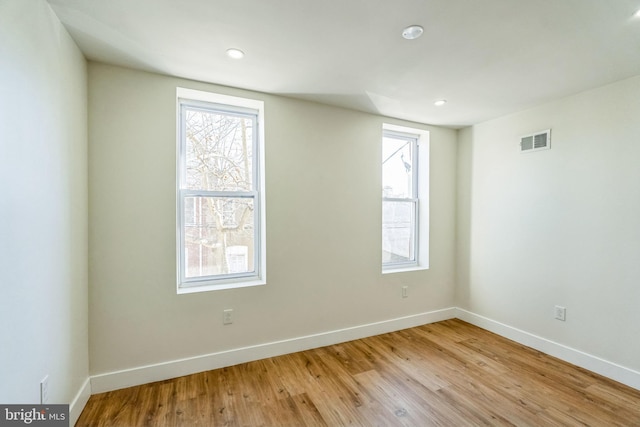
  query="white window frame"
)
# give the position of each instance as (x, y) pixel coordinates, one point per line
(235, 106)
(420, 198)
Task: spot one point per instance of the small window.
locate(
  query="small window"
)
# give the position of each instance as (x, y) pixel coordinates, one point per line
(404, 199)
(220, 192)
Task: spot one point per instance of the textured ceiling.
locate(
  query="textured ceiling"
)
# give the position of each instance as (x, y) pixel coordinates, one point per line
(486, 57)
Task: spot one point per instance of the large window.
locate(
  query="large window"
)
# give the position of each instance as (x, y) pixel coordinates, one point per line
(220, 192)
(404, 199)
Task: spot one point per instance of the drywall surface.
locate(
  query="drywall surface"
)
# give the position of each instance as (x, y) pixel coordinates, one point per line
(323, 207)
(43, 213)
(556, 227)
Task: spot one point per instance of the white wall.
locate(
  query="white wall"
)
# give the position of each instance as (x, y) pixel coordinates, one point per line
(557, 227)
(323, 228)
(43, 213)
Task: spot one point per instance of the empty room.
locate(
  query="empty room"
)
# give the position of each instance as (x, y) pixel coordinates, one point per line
(295, 212)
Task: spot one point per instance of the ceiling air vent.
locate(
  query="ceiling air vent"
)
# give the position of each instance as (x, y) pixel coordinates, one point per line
(536, 141)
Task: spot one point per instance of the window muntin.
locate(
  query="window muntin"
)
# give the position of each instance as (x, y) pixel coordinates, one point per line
(400, 202)
(219, 202)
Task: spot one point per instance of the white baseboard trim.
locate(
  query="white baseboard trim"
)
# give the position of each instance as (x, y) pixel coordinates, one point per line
(79, 402)
(176, 368)
(576, 357)
(109, 381)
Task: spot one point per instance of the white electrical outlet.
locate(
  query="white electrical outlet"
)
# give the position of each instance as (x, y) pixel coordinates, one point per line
(227, 316)
(560, 313)
(405, 291)
(44, 390)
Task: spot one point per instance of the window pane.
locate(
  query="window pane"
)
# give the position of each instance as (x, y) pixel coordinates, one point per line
(398, 226)
(218, 150)
(218, 236)
(397, 176)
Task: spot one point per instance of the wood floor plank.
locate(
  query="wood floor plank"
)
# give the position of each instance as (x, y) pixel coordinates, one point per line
(395, 406)
(448, 373)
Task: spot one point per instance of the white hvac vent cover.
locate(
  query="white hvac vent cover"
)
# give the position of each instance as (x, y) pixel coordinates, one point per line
(536, 141)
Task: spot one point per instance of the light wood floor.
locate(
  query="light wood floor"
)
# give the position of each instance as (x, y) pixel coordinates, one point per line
(448, 374)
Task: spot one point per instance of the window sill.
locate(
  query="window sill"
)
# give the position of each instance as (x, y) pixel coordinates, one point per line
(219, 286)
(391, 270)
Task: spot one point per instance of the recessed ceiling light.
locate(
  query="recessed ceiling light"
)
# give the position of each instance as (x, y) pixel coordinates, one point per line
(440, 102)
(637, 14)
(235, 53)
(412, 32)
